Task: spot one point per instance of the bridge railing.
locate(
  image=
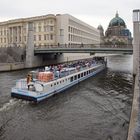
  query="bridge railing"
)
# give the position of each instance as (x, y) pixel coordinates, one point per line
(83, 46)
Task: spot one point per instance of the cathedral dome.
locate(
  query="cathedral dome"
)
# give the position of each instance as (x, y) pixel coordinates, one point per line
(100, 27)
(117, 21)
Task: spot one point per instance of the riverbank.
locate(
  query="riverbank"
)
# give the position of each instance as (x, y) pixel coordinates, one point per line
(4, 67)
(134, 111)
(11, 66)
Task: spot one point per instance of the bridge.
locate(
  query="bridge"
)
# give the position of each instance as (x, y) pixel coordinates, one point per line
(110, 49)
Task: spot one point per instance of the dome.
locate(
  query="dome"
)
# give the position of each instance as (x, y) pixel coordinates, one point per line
(100, 27)
(117, 21)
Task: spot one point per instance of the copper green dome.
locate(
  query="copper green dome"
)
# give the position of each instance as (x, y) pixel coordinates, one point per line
(117, 21)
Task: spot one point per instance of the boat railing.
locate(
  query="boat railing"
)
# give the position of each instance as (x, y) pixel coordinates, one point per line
(78, 69)
(21, 84)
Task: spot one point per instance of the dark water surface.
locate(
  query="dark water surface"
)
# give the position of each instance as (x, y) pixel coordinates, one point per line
(96, 109)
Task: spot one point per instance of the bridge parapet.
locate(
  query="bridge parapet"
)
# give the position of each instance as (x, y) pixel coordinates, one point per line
(83, 49)
(84, 46)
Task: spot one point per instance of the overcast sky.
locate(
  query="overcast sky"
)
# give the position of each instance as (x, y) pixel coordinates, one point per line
(93, 12)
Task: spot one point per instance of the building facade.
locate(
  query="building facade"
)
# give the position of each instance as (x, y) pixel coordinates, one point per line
(74, 31)
(48, 30)
(116, 33)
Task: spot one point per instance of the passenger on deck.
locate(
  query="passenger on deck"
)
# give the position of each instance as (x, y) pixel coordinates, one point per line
(29, 79)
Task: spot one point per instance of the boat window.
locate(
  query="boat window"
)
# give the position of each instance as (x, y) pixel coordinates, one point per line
(87, 72)
(71, 79)
(81, 74)
(54, 83)
(84, 73)
(51, 85)
(75, 77)
(57, 83)
(78, 76)
(63, 80)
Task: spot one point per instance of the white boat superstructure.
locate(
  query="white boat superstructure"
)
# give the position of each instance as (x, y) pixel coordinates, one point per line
(38, 90)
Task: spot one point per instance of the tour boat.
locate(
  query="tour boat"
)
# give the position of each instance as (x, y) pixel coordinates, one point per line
(51, 81)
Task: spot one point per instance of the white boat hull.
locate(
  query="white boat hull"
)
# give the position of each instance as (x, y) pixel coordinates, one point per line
(38, 96)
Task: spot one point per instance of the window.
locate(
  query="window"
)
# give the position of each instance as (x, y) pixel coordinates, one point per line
(4, 40)
(69, 37)
(34, 37)
(75, 77)
(51, 37)
(78, 76)
(48, 38)
(69, 28)
(19, 38)
(51, 28)
(81, 74)
(39, 37)
(45, 37)
(71, 79)
(45, 29)
(84, 73)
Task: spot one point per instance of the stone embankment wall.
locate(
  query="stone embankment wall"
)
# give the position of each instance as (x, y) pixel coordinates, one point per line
(134, 126)
(12, 54)
(11, 66)
(12, 58)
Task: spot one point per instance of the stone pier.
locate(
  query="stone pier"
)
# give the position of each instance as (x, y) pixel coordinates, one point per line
(134, 126)
(31, 59)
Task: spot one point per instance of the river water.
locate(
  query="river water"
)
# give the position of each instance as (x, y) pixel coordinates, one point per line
(96, 109)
